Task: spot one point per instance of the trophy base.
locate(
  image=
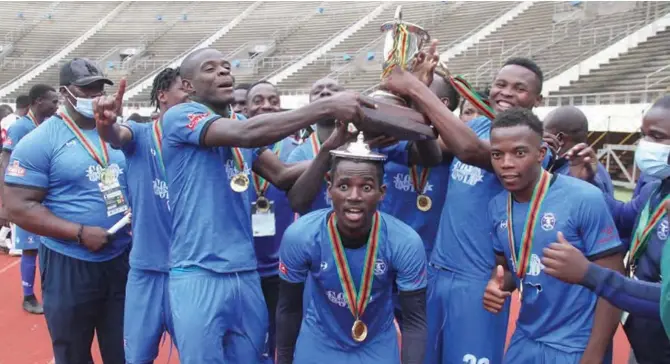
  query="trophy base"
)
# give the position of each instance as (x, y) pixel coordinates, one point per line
(393, 118)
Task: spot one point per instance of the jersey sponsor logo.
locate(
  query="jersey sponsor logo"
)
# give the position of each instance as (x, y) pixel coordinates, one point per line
(195, 118)
(465, 173)
(607, 234)
(536, 267)
(282, 268)
(94, 170)
(663, 229)
(548, 221)
(337, 298)
(160, 188)
(380, 267)
(15, 170)
(403, 182)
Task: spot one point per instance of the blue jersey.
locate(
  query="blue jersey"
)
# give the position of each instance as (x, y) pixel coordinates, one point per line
(51, 158)
(306, 152)
(555, 313)
(462, 245)
(15, 133)
(267, 247)
(602, 179)
(306, 253)
(400, 200)
(211, 224)
(148, 196)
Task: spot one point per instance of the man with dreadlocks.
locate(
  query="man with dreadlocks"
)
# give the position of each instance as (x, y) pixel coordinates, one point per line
(147, 312)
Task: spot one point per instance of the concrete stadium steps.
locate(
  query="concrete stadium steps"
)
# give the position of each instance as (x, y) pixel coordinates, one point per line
(137, 23)
(336, 17)
(11, 22)
(50, 35)
(629, 71)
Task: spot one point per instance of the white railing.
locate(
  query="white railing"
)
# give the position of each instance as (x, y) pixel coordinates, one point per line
(605, 98)
(647, 78)
(19, 62)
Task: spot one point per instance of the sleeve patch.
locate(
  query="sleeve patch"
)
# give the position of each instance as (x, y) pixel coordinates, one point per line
(195, 118)
(15, 170)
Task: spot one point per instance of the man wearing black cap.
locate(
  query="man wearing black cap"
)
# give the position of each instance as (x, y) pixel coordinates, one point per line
(66, 185)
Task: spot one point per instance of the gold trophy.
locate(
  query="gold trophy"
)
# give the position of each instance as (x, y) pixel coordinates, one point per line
(393, 117)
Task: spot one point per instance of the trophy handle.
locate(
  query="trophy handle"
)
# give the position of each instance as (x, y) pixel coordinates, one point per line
(398, 14)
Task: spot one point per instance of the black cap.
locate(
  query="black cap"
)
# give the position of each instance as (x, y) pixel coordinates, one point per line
(81, 72)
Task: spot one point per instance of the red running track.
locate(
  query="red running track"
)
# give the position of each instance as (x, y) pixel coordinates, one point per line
(25, 339)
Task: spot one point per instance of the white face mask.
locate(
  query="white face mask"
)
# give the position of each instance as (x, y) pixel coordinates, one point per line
(83, 106)
(652, 159)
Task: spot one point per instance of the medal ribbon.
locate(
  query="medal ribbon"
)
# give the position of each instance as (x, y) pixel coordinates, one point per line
(398, 55)
(237, 154)
(644, 226)
(32, 117)
(261, 184)
(419, 182)
(521, 259)
(157, 134)
(357, 301)
(316, 144)
(102, 158)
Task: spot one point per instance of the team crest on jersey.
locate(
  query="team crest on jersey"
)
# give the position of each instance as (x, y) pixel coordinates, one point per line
(503, 224)
(548, 221)
(380, 267)
(195, 118)
(536, 266)
(15, 170)
(663, 229)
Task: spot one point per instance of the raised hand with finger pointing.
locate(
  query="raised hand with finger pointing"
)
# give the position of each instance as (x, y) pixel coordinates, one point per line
(107, 109)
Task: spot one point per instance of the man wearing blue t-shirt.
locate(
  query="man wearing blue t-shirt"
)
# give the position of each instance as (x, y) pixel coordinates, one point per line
(147, 310)
(214, 288)
(263, 98)
(68, 186)
(558, 322)
(462, 258)
(353, 255)
(43, 104)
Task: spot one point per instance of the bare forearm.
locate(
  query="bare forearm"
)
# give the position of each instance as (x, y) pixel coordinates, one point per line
(290, 175)
(308, 185)
(4, 162)
(37, 219)
(115, 135)
(459, 138)
(426, 153)
(606, 317)
(264, 129)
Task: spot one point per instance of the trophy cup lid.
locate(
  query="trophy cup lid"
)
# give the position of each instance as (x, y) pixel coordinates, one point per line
(418, 31)
(358, 150)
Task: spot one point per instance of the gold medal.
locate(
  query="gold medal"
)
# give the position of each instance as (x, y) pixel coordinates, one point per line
(239, 183)
(423, 203)
(262, 204)
(359, 331)
(107, 177)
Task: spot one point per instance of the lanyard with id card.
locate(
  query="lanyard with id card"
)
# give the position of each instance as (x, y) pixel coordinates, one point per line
(109, 184)
(263, 210)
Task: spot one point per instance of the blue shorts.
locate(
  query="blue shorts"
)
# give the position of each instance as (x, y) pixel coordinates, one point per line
(315, 347)
(147, 315)
(523, 350)
(459, 328)
(24, 240)
(218, 318)
(81, 298)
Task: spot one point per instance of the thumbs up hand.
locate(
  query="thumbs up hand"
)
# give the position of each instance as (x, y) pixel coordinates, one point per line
(563, 261)
(494, 295)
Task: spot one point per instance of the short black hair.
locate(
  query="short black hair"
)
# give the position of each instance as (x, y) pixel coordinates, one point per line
(530, 65)
(518, 116)
(261, 82)
(662, 103)
(243, 86)
(22, 102)
(449, 92)
(38, 91)
(483, 94)
(8, 109)
(162, 82)
(335, 161)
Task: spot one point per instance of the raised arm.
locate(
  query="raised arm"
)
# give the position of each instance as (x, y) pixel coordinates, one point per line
(106, 110)
(280, 174)
(265, 129)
